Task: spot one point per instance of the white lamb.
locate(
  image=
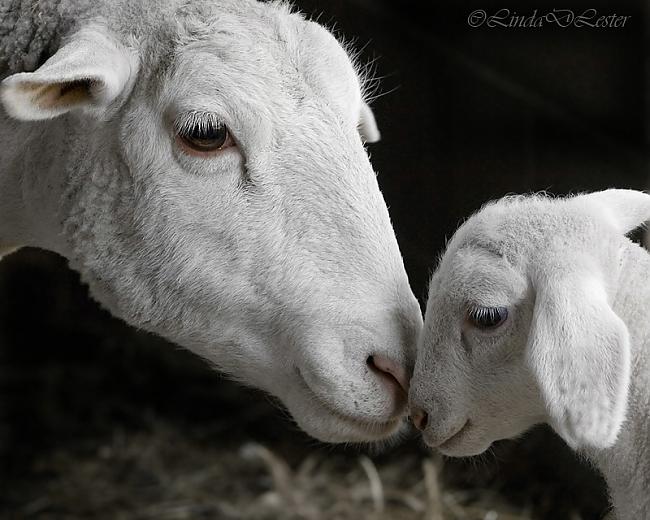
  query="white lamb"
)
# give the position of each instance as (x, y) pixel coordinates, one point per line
(200, 163)
(538, 313)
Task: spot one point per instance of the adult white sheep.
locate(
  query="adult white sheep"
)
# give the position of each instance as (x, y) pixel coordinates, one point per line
(200, 163)
(538, 313)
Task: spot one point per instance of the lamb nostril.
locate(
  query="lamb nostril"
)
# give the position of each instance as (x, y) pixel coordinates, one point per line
(390, 369)
(420, 419)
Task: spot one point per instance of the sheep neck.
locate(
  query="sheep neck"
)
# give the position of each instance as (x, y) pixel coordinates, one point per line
(626, 465)
(32, 183)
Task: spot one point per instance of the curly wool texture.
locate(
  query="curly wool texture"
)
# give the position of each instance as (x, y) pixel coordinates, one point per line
(30, 31)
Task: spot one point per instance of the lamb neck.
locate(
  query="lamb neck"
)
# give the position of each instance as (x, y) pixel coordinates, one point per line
(626, 465)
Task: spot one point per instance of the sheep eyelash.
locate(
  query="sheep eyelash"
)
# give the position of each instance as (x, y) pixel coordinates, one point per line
(204, 122)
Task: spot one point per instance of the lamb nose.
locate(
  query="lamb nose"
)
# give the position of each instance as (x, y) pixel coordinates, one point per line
(420, 418)
(391, 369)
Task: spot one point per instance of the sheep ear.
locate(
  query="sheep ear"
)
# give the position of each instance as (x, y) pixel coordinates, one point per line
(89, 72)
(627, 209)
(368, 125)
(579, 352)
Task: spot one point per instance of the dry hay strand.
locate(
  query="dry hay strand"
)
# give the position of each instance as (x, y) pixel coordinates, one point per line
(166, 475)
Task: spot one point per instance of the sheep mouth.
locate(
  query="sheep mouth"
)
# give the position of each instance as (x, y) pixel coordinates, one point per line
(369, 430)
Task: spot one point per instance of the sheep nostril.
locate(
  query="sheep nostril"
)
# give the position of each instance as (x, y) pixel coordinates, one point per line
(389, 369)
(420, 419)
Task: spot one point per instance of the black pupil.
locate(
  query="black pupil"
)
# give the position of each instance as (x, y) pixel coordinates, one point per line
(210, 137)
(488, 318)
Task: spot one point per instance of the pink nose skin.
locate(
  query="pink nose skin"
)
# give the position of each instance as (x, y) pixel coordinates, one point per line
(391, 369)
(420, 418)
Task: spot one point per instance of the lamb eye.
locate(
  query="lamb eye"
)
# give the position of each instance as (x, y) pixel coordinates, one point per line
(203, 134)
(487, 318)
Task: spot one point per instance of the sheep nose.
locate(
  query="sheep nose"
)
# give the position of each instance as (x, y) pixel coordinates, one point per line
(391, 369)
(420, 418)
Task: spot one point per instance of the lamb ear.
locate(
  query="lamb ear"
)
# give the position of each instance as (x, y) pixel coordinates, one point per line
(628, 209)
(579, 352)
(89, 72)
(368, 125)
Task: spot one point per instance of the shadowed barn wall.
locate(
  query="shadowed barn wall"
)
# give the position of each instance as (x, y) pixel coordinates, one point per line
(471, 114)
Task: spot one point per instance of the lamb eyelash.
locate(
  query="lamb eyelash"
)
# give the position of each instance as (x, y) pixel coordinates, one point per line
(479, 313)
(487, 317)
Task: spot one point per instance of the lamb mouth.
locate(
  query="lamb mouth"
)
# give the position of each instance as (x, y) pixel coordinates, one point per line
(454, 438)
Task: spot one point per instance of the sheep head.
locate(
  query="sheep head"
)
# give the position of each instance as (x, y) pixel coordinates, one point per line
(215, 190)
(519, 327)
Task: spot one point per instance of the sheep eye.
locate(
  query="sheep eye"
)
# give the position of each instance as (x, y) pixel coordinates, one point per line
(487, 318)
(203, 134)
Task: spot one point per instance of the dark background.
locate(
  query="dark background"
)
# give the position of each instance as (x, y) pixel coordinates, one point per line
(467, 115)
